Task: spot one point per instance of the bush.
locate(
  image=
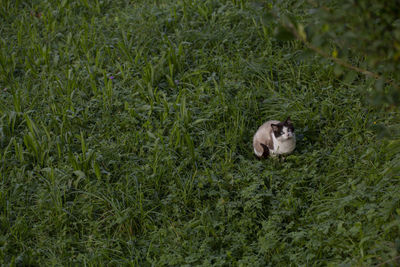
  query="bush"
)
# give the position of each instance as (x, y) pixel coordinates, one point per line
(360, 36)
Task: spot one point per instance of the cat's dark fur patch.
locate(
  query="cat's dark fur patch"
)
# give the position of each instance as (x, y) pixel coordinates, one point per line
(266, 151)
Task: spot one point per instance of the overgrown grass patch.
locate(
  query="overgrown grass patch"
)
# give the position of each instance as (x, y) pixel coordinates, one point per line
(125, 137)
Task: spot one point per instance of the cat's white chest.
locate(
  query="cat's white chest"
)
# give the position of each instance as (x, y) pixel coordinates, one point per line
(283, 147)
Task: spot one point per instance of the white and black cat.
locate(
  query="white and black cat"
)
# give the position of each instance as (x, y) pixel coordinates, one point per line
(274, 138)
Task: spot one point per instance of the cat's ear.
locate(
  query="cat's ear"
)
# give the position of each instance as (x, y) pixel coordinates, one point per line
(288, 120)
(275, 127)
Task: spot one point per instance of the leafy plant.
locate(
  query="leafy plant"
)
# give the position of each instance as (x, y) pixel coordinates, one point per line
(360, 37)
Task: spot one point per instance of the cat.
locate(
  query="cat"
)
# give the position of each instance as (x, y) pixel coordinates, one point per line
(274, 138)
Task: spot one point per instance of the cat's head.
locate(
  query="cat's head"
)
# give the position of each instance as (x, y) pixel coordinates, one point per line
(283, 130)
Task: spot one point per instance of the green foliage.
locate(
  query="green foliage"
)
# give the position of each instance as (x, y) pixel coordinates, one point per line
(125, 139)
(362, 37)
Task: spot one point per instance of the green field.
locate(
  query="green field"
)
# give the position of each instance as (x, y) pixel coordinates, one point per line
(126, 139)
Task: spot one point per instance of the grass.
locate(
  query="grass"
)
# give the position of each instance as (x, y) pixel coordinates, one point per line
(125, 139)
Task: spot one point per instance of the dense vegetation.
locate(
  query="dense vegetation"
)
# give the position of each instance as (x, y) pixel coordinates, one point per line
(362, 37)
(125, 138)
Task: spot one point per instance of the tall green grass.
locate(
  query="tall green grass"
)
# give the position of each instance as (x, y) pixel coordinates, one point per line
(125, 139)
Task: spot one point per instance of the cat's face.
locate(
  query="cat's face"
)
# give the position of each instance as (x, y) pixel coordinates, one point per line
(283, 130)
